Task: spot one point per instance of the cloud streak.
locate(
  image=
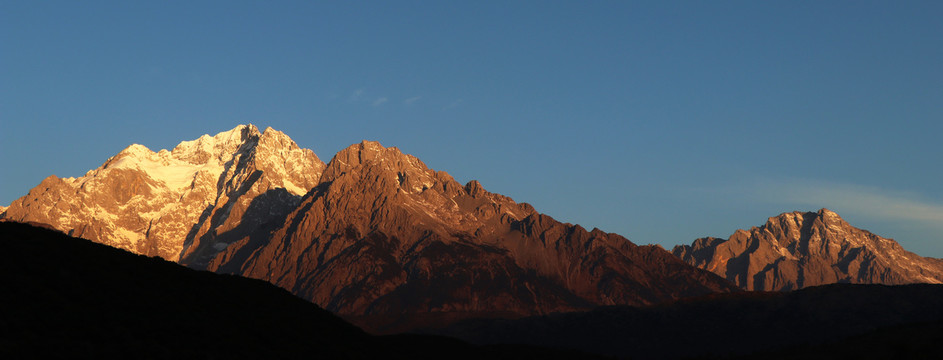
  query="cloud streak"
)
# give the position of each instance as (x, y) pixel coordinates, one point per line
(865, 200)
(412, 100)
(379, 101)
(355, 95)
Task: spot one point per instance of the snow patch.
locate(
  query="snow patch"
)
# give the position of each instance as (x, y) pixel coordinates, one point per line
(170, 167)
(294, 189)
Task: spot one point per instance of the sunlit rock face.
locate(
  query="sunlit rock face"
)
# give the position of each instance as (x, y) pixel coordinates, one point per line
(801, 249)
(383, 233)
(177, 204)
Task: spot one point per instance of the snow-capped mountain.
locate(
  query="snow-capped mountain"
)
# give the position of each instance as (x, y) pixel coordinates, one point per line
(177, 204)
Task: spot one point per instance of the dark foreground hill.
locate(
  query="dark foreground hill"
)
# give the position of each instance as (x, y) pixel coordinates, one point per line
(825, 322)
(64, 297)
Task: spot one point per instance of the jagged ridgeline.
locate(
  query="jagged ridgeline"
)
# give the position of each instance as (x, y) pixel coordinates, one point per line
(172, 203)
(801, 249)
(374, 231)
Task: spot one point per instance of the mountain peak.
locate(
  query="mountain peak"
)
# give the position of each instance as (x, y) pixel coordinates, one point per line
(830, 216)
(155, 203)
(823, 214)
(800, 249)
(382, 230)
(373, 154)
(367, 150)
(219, 146)
(277, 136)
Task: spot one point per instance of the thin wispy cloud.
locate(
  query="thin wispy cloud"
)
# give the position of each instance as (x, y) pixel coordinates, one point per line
(412, 100)
(865, 200)
(379, 101)
(356, 95)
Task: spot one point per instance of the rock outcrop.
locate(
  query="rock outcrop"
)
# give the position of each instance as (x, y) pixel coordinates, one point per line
(801, 249)
(181, 204)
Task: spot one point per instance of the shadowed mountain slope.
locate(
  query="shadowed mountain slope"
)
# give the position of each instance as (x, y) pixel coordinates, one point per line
(796, 250)
(69, 298)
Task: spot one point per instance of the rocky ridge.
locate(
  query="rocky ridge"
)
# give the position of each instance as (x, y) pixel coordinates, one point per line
(801, 249)
(383, 233)
(177, 204)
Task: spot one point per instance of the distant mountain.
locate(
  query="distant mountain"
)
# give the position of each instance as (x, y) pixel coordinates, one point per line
(837, 321)
(65, 297)
(797, 250)
(373, 232)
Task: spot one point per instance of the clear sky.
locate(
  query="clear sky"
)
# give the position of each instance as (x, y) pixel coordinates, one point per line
(661, 121)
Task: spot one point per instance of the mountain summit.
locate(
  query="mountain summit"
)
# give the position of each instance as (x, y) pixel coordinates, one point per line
(801, 249)
(382, 233)
(175, 204)
(373, 232)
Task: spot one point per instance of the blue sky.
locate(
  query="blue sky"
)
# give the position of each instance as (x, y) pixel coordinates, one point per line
(661, 121)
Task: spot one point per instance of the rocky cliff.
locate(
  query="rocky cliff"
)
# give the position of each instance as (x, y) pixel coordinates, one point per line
(181, 204)
(801, 249)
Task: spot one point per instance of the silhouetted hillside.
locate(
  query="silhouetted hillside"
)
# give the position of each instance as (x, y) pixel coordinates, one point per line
(818, 319)
(65, 298)
(910, 341)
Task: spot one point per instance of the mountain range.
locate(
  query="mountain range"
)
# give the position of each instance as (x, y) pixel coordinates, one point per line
(378, 237)
(66, 297)
(372, 232)
(387, 243)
